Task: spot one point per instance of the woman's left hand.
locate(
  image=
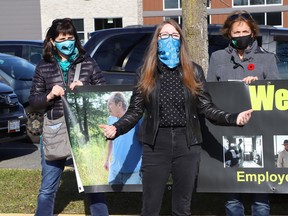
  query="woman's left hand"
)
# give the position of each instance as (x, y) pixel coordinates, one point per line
(244, 117)
(75, 83)
(250, 79)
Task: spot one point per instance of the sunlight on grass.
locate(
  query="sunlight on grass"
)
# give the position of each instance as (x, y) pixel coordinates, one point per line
(90, 159)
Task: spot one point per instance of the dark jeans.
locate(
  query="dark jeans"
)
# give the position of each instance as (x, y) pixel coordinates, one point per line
(259, 207)
(169, 155)
(51, 174)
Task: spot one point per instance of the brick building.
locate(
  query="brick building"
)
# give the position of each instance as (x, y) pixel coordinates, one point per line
(30, 19)
(266, 12)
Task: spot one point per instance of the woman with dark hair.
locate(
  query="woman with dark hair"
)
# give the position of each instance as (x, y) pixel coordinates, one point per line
(246, 61)
(243, 59)
(171, 93)
(62, 52)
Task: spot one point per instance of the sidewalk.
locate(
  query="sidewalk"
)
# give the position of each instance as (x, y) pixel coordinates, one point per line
(20, 214)
(15, 214)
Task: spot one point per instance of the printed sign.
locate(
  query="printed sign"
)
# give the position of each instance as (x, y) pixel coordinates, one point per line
(234, 159)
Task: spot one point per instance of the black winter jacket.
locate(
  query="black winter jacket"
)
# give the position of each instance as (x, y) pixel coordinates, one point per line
(200, 104)
(49, 74)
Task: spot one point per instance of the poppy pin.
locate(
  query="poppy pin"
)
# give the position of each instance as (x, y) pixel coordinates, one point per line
(251, 67)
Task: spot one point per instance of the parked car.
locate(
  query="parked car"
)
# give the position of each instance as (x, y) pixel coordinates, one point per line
(119, 51)
(18, 73)
(31, 50)
(12, 115)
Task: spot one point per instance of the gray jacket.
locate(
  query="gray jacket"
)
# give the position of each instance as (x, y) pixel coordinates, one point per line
(226, 65)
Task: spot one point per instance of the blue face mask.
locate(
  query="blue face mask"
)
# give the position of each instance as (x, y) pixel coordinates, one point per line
(65, 47)
(168, 51)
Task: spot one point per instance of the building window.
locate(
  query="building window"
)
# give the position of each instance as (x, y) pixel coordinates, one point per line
(256, 2)
(172, 4)
(79, 25)
(106, 23)
(272, 18)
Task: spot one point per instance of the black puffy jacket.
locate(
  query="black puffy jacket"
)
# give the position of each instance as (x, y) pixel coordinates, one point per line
(201, 104)
(48, 75)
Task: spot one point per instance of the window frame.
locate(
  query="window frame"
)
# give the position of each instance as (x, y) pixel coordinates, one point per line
(265, 4)
(178, 7)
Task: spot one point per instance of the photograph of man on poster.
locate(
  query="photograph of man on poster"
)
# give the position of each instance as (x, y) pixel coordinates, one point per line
(123, 153)
(281, 151)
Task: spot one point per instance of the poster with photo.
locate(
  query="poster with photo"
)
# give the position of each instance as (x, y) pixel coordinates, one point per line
(234, 159)
(244, 159)
(102, 165)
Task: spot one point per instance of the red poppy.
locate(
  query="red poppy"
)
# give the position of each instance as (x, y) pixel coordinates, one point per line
(251, 66)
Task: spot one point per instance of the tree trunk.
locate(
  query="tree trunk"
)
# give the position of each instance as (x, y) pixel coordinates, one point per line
(194, 15)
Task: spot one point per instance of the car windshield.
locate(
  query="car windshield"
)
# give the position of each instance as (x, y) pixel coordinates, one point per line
(17, 68)
(119, 54)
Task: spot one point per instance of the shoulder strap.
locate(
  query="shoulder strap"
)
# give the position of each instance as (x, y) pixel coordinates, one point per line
(77, 72)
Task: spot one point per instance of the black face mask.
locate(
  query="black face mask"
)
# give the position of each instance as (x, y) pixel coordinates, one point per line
(241, 43)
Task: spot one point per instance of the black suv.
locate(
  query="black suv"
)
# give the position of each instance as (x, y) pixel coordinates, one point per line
(12, 115)
(119, 51)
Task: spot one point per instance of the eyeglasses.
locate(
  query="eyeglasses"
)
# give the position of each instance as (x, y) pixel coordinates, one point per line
(245, 16)
(166, 35)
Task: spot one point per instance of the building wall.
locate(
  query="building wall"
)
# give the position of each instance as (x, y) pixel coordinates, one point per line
(129, 10)
(156, 5)
(285, 15)
(20, 20)
(219, 19)
(219, 10)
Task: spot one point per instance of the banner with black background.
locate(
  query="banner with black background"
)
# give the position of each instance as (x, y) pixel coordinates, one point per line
(234, 159)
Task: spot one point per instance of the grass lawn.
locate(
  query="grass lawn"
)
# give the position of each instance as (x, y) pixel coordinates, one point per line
(19, 189)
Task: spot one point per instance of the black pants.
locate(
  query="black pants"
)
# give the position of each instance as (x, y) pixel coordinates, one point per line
(169, 155)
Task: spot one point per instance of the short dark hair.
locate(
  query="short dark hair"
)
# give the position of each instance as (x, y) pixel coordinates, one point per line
(236, 16)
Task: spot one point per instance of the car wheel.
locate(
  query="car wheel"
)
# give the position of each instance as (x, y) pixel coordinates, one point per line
(34, 124)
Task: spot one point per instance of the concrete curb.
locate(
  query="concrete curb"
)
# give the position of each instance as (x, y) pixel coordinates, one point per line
(20, 214)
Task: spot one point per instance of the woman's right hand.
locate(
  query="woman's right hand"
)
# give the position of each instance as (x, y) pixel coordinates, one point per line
(248, 80)
(109, 131)
(56, 91)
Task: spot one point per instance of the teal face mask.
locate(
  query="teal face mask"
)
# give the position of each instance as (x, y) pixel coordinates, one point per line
(168, 51)
(65, 47)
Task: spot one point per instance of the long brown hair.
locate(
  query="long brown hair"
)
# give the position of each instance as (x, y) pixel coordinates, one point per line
(148, 78)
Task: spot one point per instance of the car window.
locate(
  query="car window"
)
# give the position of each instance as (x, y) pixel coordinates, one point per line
(11, 49)
(17, 68)
(216, 42)
(35, 54)
(279, 46)
(122, 52)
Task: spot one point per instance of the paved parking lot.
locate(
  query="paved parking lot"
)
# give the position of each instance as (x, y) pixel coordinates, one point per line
(20, 155)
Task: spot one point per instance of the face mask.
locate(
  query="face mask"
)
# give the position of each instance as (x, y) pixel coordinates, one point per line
(241, 43)
(65, 47)
(168, 51)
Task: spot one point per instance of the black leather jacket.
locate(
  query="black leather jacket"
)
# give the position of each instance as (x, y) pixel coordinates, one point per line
(201, 104)
(47, 74)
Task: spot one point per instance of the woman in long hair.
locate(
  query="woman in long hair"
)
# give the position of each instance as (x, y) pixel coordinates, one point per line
(171, 93)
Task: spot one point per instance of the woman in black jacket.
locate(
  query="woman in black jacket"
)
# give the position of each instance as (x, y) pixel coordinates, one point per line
(62, 52)
(171, 93)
